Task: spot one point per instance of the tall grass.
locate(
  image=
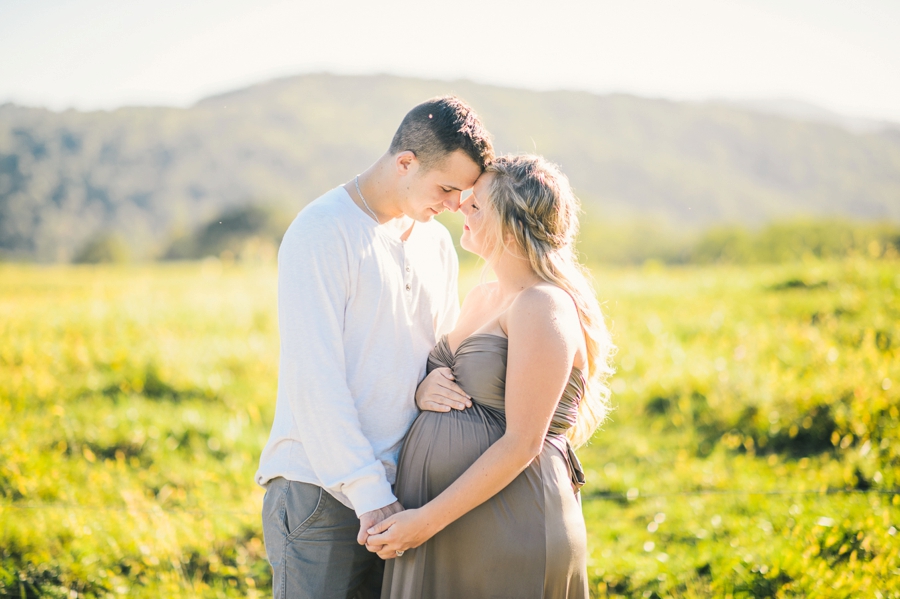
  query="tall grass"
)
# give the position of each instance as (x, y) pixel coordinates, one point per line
(134, 403)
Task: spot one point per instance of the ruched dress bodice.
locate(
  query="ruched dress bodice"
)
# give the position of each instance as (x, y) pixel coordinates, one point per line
(526, 541)
(479, 367)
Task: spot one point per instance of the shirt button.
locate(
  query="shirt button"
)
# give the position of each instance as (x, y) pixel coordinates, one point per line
(407, 269)
(408, 287)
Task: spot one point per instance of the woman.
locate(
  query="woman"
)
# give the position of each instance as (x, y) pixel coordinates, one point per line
(492, 491)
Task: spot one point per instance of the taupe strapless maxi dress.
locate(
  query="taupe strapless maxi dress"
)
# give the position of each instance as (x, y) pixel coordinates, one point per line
(529, 540)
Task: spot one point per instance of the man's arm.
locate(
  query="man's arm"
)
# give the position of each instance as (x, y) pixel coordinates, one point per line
(313, 286)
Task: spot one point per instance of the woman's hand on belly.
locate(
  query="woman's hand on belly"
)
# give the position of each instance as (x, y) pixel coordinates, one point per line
(438, 392)
(400, 532)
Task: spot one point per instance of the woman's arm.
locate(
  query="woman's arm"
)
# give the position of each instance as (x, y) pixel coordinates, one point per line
(544, 336)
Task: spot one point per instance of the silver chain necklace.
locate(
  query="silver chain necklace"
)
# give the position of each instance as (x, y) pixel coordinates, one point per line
(365, 203)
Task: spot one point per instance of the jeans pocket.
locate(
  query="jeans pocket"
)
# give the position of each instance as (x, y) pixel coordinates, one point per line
(302, 504)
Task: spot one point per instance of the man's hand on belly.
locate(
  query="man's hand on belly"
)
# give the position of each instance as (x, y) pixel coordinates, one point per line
(439, 392)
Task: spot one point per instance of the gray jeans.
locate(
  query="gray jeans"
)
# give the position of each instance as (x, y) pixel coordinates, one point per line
(311, 544)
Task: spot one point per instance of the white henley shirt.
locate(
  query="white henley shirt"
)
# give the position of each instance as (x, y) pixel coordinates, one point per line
(358, 312)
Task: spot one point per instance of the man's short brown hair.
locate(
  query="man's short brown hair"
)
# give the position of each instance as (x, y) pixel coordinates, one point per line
(438, 127)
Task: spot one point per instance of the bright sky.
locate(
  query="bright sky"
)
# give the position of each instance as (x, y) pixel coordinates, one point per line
(839, 54)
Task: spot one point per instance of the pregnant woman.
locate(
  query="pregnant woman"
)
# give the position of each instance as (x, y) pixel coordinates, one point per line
(492, 491)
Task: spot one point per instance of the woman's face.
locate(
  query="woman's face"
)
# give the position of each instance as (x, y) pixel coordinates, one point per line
(475, 208)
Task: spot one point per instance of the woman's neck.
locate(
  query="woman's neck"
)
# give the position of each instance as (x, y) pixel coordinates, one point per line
(514, 274)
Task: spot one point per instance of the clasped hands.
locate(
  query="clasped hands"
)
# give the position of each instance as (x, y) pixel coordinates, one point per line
(392, 529)
(369, 520)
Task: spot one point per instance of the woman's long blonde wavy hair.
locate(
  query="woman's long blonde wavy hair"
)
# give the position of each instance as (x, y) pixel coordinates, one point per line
(534, 205)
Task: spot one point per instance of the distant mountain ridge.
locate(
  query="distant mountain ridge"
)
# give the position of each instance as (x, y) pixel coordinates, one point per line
(151, 174)
(804, 111)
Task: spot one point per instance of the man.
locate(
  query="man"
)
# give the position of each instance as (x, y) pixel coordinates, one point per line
(366, 286)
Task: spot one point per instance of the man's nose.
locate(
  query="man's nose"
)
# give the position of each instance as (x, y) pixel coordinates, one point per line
(452, 203)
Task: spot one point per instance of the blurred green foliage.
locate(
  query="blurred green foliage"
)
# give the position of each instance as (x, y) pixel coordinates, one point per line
(638, 242)
(793, 241)
(103, 247)
(248, 232)
(135, 402)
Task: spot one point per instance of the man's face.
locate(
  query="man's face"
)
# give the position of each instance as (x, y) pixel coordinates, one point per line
(431, 191)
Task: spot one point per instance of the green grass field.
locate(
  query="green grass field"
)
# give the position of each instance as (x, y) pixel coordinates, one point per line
(754, 450)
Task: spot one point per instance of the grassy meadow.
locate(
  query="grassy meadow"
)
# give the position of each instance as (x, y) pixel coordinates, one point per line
(753, 451)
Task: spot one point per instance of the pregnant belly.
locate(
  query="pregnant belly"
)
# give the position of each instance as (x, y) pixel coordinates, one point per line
(440, 446)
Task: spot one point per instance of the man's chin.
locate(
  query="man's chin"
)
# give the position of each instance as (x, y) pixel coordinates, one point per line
(426, 216)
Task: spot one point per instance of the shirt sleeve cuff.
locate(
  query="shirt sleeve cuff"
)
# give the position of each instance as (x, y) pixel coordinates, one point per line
(368, 495)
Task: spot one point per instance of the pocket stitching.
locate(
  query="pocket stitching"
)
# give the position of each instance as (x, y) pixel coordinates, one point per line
(309, 520)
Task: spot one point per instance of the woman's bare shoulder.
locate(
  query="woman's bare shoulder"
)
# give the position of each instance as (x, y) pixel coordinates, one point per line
(545, 297)
(545, 309)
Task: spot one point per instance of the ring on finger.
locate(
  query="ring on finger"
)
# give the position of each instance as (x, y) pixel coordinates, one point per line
(399, 553)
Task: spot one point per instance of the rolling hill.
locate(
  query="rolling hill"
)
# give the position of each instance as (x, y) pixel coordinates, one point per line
(150, 174)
